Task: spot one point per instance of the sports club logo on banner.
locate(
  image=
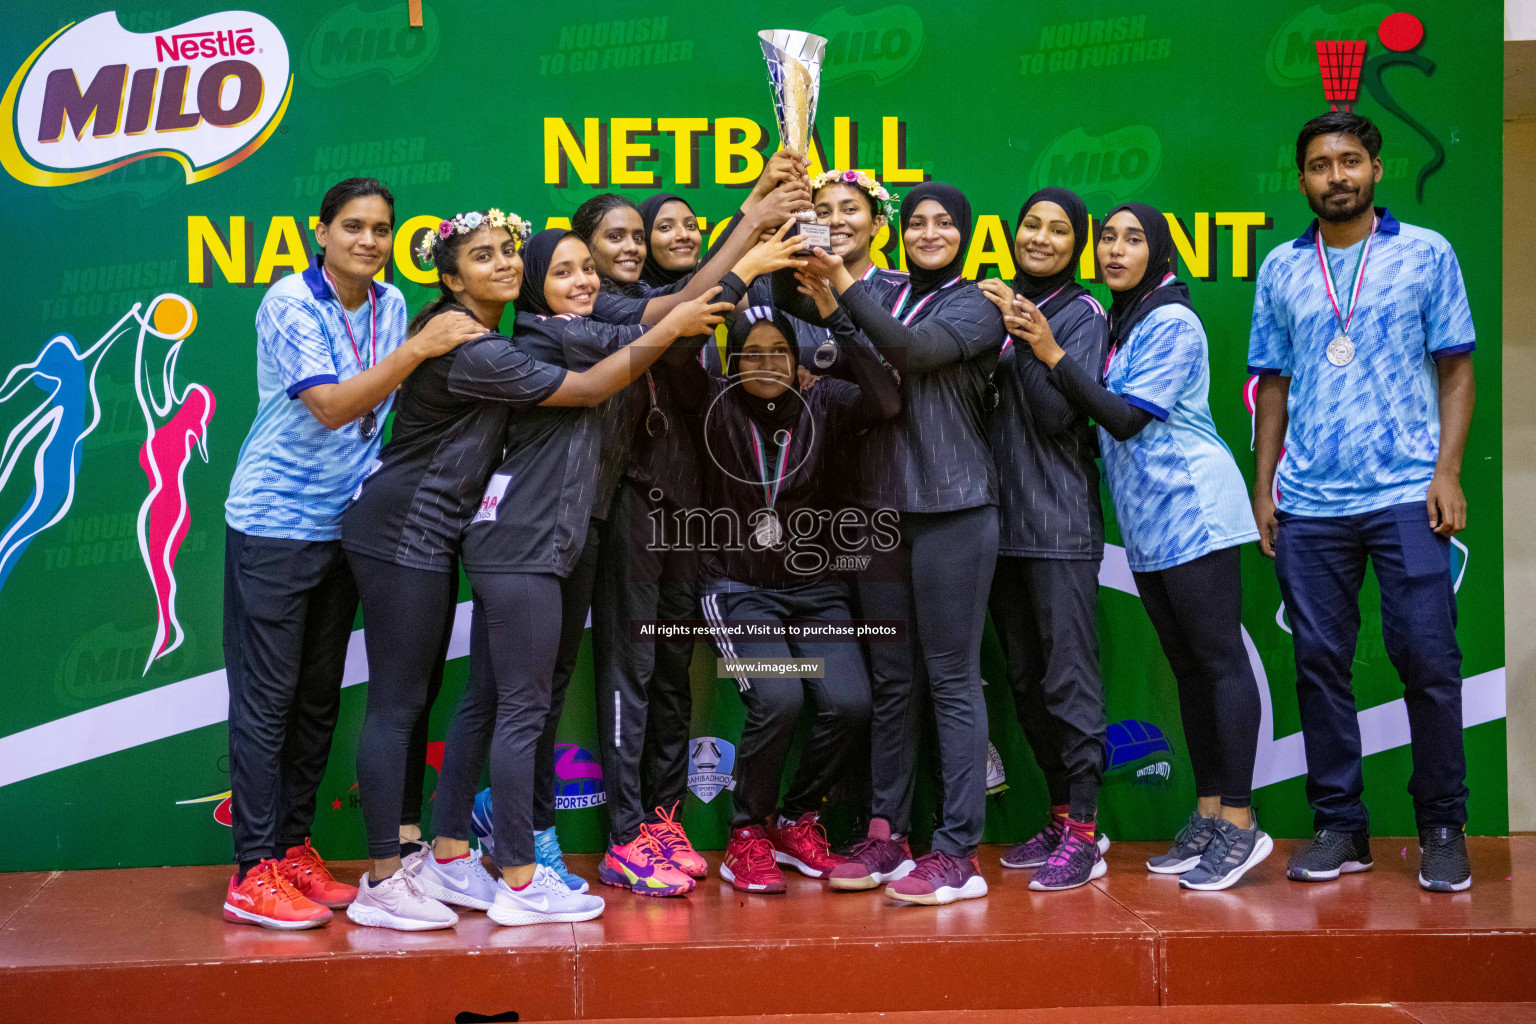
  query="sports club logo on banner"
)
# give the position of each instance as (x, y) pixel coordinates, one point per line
(578, 779)
(94, 97)
(1133, 748)
(710, 762)
(58, 408)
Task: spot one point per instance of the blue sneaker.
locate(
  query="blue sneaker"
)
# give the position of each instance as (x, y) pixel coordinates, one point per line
(480, 822)
(546, 851)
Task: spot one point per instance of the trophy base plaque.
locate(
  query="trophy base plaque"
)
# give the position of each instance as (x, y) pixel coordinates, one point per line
(813, 235)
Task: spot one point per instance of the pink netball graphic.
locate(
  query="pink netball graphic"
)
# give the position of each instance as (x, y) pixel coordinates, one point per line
(166, 515)
(1251, 403)
(578, 778)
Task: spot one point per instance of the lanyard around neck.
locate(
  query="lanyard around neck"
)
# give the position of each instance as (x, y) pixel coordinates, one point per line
(1344, 316)
(901, 300)
(346, 319)
(1008, 338)
(770, 487)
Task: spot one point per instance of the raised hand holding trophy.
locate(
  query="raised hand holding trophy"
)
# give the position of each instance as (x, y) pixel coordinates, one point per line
(794, 75)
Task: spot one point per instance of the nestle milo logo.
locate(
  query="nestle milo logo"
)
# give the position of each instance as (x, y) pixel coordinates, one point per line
(1292, 58)
(351, 41)
(95, 97)
(108, 662)
(882, 43)
(1113, 166)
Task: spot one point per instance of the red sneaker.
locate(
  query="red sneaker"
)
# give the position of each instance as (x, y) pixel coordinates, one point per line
(674, 843)
(748, 863)
(307, 873)
(803, 846)
(266, 898)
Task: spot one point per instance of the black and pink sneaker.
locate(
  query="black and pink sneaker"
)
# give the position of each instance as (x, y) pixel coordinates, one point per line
(939, 878)
(1076, 861)
(1035, 852)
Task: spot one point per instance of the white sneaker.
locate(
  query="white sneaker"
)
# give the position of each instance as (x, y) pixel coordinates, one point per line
(398, 903)
(463, 881)
(543, 900)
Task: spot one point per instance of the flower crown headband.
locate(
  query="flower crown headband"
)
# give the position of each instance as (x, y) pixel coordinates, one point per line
(884, 199)
(465, 223)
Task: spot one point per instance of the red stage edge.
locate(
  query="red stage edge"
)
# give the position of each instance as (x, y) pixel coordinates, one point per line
(150, 945)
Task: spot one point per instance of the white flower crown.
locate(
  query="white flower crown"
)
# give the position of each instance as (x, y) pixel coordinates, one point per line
(463, 224)
(884, 198)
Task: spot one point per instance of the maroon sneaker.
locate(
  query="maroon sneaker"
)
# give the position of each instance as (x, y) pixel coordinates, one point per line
(803, 845)
(748, 863)
(939, 878)
(872, 863)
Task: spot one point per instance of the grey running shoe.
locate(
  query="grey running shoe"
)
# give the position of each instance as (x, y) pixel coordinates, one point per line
(1443, 864)
(1187, 848)
(1329, 855)
(1228, 856)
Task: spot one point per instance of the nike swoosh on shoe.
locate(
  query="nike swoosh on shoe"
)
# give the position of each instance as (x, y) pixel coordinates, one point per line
(634, 869)
(451, 880)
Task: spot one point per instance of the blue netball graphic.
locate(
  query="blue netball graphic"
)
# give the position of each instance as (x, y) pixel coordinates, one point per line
(578, 778)
(1134, 744)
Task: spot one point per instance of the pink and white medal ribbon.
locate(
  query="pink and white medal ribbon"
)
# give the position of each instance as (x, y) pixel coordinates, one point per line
(1341, 350)
(901, 300)
(1008, 338)
(369, 424)
(768, 532)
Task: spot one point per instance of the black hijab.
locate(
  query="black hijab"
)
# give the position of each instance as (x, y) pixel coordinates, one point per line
(959, 209)
(1132, 305)
(770, 414)
(537, 255)
(1064, 282)
(653, 273)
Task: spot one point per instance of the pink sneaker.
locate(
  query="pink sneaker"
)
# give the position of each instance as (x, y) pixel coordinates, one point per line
(674, 843)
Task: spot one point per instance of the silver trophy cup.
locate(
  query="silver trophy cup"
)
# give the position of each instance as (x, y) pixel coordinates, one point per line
(794, 75)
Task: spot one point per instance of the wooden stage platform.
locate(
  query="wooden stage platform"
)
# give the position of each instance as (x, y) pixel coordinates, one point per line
(150, 945)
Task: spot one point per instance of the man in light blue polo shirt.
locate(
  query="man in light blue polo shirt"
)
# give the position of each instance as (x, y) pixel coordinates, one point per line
(331, 348)
(1362, 339)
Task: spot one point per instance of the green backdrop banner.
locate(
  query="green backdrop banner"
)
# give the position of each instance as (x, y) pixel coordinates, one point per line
(162, 168)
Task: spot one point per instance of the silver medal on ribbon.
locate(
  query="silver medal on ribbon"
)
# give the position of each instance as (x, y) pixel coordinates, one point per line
(1341, 351)
(768, 533)
(826, 354)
